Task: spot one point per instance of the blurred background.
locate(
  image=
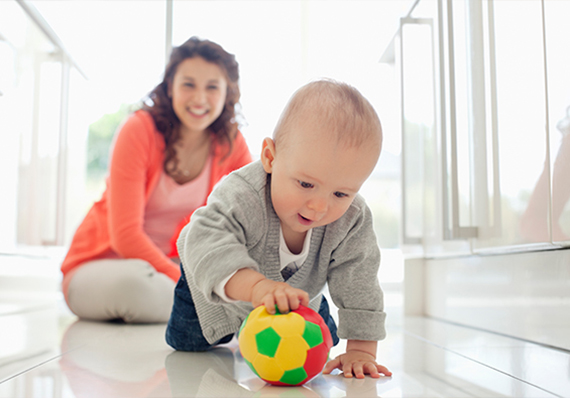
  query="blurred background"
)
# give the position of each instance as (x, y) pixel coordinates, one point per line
(473, 96)
(470, 197)
(68, 83)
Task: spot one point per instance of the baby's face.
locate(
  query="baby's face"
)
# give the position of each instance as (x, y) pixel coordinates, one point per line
(314, 179)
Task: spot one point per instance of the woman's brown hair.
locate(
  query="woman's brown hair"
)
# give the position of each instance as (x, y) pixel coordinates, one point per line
(161, 110)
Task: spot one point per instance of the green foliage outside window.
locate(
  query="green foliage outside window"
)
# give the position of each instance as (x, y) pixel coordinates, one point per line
(100, 138)
(101, 133)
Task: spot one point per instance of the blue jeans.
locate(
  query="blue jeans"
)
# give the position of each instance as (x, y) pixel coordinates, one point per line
(184, 333)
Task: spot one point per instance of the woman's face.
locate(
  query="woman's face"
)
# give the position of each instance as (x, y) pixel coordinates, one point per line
(198, 94)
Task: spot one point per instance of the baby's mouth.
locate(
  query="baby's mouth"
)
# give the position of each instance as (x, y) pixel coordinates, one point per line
(304, 220)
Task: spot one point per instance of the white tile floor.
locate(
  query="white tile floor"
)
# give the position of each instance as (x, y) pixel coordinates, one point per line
(46, 352)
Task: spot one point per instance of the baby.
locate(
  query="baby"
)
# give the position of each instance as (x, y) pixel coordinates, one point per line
(275, 232)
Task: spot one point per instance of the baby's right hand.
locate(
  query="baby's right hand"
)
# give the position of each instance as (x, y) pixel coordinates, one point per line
(268, 293)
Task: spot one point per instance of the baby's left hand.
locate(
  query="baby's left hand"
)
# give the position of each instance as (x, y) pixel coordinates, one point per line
(357, 363)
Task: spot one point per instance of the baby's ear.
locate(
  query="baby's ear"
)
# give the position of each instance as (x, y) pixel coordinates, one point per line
(268, 154)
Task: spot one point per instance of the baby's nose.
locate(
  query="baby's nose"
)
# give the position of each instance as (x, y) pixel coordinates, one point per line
(318, 205)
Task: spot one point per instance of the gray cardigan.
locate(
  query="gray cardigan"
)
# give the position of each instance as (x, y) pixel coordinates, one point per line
(238, 228)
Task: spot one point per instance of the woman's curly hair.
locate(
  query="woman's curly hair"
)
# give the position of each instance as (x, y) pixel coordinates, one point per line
(160, 106)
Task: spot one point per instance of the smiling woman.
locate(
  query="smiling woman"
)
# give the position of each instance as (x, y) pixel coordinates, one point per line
(198, 93)
(281, 45)
(165, 161)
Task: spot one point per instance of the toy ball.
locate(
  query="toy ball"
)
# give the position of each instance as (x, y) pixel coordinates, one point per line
(285, 349)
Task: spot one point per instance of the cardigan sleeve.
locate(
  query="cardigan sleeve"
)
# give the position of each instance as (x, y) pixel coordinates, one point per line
(133, 157)
(353, 277)
(215, 243)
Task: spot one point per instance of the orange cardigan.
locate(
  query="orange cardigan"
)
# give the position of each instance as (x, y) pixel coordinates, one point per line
(115, 222)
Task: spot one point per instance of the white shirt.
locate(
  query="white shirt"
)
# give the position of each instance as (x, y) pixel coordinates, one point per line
(286, 259)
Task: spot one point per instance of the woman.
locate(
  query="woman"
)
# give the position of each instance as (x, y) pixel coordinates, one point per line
(166, 158)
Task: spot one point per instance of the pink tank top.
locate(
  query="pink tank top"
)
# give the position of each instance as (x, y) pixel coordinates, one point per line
(170, 202)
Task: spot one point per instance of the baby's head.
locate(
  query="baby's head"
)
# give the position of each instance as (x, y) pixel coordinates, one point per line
(324, 147)
(336, 109)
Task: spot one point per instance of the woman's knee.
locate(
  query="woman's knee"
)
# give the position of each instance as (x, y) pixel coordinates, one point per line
(130, 290)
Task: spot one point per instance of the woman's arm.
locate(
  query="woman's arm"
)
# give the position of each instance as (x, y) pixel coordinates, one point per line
(135, 153)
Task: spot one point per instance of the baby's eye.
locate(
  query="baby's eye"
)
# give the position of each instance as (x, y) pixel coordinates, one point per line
(340, 195)
(305, 184)
(189, 84)
(212, 87)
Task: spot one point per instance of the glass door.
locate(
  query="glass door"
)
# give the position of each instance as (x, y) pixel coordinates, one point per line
(515, 81)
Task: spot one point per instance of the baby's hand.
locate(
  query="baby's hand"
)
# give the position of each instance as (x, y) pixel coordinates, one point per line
(357, 363)
(268, 293)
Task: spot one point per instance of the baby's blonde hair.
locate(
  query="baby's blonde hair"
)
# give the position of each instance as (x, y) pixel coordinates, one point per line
(337, 108)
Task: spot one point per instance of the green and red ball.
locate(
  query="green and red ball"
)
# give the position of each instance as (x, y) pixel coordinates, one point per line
(285, 349)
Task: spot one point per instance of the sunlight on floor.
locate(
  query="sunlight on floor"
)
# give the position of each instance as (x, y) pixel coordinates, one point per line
(46, 352)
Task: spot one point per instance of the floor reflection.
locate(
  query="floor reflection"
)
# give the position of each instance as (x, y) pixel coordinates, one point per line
(428, 358)
(223, 373)
(112, 360)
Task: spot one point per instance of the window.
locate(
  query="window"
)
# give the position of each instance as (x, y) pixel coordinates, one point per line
(281, 45)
